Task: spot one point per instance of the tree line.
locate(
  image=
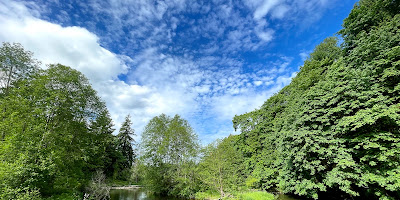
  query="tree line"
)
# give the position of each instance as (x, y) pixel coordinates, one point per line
(334, 131)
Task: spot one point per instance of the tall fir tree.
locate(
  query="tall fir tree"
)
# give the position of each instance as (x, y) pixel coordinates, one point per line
(125, 141)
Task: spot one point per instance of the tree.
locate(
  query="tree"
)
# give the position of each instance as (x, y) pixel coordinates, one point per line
(125, 141)
(104, 152)
(221, 167)
(15, 64)
(168, 140)
(49, 146)
(168, 150)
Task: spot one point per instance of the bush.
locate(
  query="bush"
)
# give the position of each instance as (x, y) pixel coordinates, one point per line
(19, 194)
(66, 196)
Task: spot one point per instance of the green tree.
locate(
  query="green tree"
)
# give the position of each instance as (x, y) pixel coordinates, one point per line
(221, 166)
(264, 130)
(168, 150)
(104, 151)
(15, 64)
(49, 146)
(125, 142)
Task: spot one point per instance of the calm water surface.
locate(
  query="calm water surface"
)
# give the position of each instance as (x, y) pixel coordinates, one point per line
(140, 194)
(135, 194)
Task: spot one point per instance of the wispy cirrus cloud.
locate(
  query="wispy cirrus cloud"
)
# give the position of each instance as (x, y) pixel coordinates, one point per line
(198, 90)
(138, 25)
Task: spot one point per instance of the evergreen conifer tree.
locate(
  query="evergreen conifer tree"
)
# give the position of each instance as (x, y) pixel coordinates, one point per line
(125, 141)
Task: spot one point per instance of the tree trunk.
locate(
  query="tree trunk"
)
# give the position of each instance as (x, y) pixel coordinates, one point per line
(221, 189)
(9, 80)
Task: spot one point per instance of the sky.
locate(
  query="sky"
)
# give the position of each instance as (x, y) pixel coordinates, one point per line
(204, 60)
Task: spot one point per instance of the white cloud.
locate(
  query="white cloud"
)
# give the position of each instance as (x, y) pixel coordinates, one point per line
(12, 9)
(193, 89)
(292, 12)
(304, 55)
(264, 8)
(73, 46)
(227, 105)
(258, 83)
(266, 36)
(280, 11)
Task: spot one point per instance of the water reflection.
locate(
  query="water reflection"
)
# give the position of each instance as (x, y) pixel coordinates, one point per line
(135, 194)
(140, 194)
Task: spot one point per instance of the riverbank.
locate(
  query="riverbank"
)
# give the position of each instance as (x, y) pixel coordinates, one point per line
(126, 187)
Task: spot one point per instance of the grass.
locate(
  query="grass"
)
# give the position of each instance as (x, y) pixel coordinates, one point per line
(250, 195)
(207, 195)
(256, 196)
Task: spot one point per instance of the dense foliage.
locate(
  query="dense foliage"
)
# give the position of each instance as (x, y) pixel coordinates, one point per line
(168, 151)
(221, 167)
(335, 128)
(55, 130)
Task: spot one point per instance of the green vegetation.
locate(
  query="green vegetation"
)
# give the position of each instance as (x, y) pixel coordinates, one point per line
(221, 167)
(55, 131)
(256, 196)
(207, 195)
(334, 131)
(168, 153)
(248, 195)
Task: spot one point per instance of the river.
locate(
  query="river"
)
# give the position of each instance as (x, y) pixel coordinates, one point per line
(140, 194)
(135, 194)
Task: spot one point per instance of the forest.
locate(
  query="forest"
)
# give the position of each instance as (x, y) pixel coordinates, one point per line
(333, 132)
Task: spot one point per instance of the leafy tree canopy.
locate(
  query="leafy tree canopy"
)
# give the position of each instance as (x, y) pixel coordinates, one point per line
(335, 128)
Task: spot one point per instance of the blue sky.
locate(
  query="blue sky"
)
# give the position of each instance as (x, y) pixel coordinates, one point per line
(206, 61)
